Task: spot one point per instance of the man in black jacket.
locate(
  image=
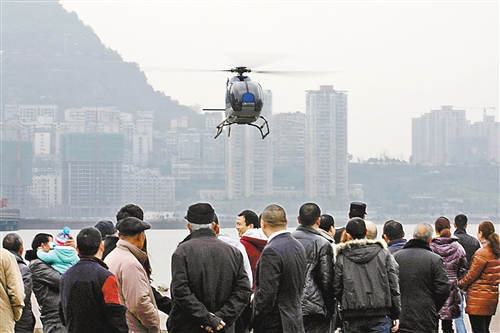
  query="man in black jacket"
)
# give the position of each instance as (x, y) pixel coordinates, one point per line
(366, 282)
(317, 297)
(423, 282)
(210, 287)
(90, 300)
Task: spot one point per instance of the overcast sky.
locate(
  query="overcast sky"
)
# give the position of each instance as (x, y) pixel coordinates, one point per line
(396, 60)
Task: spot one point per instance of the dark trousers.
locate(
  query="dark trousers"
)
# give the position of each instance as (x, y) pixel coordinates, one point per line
(368, 325)
(447, 325)
(480, 324)
(317, 324)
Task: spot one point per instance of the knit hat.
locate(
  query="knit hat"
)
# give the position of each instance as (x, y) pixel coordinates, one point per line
(106, 228)
(63, 236)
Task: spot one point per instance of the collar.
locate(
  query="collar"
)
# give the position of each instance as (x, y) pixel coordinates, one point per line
(138, 253)
(94, 259)
(307, 228)
(396, 241)
(277, 233)
(417, 243)
(460, 231)
(199, 233)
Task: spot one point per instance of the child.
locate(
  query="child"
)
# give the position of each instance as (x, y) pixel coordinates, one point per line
(60, 257)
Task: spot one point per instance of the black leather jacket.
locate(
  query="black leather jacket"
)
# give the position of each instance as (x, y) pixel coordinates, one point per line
(317, 296)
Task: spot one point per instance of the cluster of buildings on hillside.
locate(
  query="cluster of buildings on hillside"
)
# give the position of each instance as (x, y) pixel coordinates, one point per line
(96, 159)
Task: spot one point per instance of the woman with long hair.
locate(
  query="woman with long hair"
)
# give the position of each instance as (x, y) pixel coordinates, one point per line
(482, 279)
(455, 264)
(45, 285)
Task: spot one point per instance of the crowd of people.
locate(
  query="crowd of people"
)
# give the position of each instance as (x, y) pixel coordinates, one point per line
(317, 278)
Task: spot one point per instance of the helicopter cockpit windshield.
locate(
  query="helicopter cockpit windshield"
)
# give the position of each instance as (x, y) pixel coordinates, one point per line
(245, 93)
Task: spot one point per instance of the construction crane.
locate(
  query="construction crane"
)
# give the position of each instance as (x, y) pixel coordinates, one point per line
(477, 107)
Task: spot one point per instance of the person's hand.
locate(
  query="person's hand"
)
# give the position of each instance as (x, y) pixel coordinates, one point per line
(395, 325)
(70, 242)
(218, 328)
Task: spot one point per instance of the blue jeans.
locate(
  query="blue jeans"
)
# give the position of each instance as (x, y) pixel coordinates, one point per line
(459, 322)
(369, 325)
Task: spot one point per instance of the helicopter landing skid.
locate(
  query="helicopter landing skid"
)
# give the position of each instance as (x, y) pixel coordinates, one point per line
(264, 128)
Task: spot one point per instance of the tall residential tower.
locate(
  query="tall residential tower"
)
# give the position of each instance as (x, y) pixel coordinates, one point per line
(326, 143)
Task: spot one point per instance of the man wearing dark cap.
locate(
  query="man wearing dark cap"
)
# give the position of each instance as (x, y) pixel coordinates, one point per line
(393, 235)
(209, 287)
(366, 282)
(126, 262)
(357, 209)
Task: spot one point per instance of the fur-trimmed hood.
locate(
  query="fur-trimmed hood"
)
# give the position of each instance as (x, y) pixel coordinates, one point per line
(360, 250)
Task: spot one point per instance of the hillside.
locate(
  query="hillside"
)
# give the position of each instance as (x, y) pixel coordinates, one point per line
(50, 57)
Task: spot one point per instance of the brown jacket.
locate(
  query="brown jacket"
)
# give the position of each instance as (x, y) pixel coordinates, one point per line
(11, 291)
(126, 263)
(481, 283)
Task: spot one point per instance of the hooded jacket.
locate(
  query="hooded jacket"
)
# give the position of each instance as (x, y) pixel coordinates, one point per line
(481, 283)
(455, 264)
(317, 296)
(254, 241)
(366, 280)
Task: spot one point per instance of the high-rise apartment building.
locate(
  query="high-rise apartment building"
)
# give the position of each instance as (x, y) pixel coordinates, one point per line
(249, 158)
(289, 130)
(326, 143)
(92, 173)
(432, 134)
(445, 136)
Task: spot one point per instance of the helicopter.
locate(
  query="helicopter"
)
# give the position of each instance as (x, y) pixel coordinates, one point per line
(244, 103)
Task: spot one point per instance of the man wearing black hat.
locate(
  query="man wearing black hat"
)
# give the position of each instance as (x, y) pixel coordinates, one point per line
(366, 282)
(126, 262)
(209, 287)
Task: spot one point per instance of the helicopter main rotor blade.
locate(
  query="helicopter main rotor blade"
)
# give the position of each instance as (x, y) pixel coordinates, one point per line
(296, 73)
(182, 70)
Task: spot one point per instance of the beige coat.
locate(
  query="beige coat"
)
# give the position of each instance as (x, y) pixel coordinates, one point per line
(125, 262)
(11, 292)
